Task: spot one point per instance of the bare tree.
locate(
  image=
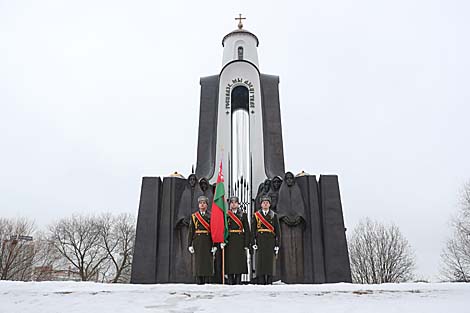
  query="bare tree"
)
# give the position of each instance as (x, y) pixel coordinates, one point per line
(16, 249)
(379, 254)
(118, 236)
(46, 258)
(78, 239)
(456, 254)
(99, 248)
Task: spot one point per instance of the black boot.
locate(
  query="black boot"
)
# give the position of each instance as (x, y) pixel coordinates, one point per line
(237, 279)
(262, 280)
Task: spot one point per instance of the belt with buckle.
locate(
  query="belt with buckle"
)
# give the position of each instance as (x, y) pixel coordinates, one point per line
(262, 230)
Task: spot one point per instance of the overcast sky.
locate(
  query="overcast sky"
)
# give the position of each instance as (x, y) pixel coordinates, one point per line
(96, 94)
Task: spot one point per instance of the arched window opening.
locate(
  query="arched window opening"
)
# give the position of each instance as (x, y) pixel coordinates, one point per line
(240, 98)
(240, 53)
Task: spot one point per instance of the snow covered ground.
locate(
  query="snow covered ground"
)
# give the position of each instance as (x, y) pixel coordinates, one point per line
(49, 297)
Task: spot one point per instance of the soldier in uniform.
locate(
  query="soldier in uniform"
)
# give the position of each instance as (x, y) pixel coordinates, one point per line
(238, 243)
(200, 242)
(266, 239)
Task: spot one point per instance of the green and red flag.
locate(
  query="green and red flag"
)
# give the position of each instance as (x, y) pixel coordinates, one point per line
(219, 227)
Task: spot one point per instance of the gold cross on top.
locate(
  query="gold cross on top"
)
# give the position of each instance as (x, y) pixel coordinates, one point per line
(240, 18)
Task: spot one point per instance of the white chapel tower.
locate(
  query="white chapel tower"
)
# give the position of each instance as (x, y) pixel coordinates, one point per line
(247, 134)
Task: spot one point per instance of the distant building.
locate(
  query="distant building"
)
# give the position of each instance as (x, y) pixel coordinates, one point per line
(48, 273)
(16, 257)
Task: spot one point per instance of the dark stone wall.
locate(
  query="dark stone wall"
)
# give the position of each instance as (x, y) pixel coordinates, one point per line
(144, 270)
(272, 128)
(314, 262)
(171, 193)
(337, 267)
(207, 139)
(154, 248)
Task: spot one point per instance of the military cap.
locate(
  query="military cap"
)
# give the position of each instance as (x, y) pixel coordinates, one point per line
(234, 199)
(203, 198)
(266, 198)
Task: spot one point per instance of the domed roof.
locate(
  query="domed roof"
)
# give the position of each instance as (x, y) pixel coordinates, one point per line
(238, 32)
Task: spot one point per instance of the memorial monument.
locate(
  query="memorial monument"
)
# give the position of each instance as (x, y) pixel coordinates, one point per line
(240, 125)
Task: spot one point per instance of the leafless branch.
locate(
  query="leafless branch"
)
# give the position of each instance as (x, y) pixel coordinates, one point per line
(380, 254)
(17, 251)
(456, 254)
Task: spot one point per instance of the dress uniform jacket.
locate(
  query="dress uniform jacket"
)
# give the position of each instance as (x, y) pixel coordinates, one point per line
(266, 240)
(200, 238)
(239, 238)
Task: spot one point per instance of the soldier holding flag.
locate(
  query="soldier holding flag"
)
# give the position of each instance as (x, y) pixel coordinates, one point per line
(219, 228)
(266, 239)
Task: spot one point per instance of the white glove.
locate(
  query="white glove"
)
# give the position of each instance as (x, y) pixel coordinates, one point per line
(255, 247)
(191, 249)
(214, 250)
(276, 250)
(222, 245)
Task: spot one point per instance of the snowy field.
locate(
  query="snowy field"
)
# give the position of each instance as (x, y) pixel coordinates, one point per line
(49, 297)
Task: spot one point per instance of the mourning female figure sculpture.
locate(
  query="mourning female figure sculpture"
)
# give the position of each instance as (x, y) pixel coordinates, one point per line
(274, 192)
(263, 190)
(291, 212)
(206, 189)
(188, 203)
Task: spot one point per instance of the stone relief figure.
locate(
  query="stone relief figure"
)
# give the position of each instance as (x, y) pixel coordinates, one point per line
(188, 203)
(291, 212)
(263, 190)
(274, 192)
(206, 189)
